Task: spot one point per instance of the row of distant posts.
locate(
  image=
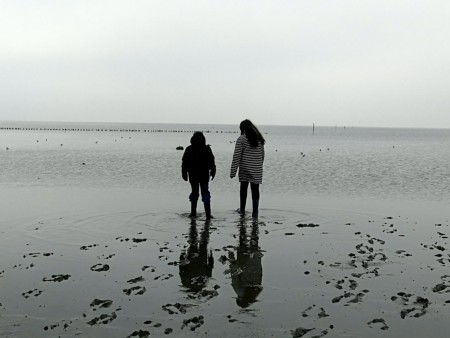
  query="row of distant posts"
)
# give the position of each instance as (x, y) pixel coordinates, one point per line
(115, 130)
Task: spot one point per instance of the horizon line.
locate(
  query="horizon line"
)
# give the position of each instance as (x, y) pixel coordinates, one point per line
(221, 124)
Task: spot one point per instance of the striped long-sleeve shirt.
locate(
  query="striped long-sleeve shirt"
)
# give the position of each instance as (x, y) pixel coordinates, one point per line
(249, 160)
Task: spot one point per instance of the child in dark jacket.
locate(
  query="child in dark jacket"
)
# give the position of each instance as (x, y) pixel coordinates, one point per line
(197, 166)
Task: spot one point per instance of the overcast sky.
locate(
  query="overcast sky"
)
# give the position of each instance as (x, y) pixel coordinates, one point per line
(348, 62)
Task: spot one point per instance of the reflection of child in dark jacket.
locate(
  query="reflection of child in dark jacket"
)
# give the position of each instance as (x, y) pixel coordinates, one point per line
(197, 165)
(196, 262)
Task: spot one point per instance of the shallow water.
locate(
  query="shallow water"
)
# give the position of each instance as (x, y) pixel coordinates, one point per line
(351, 241)
(356, 162)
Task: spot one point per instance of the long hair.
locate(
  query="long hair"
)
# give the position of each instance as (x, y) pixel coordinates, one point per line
(198, 139)
(252, 133)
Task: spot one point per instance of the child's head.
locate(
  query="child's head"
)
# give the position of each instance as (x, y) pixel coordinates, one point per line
(198, 139)
(251, 131)
(246, 126)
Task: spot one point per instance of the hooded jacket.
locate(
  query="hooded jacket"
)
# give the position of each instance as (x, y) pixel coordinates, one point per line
(198, 162)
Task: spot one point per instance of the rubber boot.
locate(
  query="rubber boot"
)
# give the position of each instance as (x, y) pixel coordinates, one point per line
(193, 209)
(208, 210)
(255, 208)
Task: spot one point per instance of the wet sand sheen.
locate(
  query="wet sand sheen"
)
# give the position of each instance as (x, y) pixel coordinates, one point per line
(289, 274)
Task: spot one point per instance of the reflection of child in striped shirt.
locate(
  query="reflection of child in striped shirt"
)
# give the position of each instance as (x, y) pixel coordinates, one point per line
(249, 158)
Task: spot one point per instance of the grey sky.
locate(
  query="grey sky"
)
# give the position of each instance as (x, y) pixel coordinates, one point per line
(353, 63)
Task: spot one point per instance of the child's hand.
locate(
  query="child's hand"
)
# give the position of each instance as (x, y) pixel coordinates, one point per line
(185, 177)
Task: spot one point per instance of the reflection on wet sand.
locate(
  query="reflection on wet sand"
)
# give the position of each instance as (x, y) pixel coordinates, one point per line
(196, 263)
(246, 268)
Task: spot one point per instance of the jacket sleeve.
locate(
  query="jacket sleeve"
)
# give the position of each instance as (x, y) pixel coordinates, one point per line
(184, 165)
(212, 163)
(263, 153)
(237, 156)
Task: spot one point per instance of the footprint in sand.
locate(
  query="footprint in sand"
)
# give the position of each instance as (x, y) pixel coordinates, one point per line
(300, 332)
(379, 321)
(357, 297)
(321, 314)
(310, 225)
(37, 254)
(193, 323)
(57, 325)
(102, 319)
(21, 267)
(140, 334)
(135, 290)
(134, 240)
(148, 267)
(403, 253)
(87, 247)
(100, 303)
(31, 293)
(100, 267)
(420, 304)
(176, 308)
(163, 276)
(56, 278)
(352, 284)
(136, 280)
(139, 240)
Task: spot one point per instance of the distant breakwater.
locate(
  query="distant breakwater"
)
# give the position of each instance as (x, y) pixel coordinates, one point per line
(112, 130)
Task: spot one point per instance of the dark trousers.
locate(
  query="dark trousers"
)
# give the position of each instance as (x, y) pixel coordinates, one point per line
(255, 190)
(200, 186)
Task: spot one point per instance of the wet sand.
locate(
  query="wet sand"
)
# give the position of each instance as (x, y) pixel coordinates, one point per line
(144, 268)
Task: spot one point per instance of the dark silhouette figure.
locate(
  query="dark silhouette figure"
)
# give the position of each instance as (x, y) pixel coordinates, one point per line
(198, 165)
(249, 158)
(246, 268)
(196, 263)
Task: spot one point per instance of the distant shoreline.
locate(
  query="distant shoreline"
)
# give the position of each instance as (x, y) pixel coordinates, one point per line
(186, 127)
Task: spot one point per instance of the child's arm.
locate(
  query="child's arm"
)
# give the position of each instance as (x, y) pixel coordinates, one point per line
(236, 157)
(212, 165)
(184, 165)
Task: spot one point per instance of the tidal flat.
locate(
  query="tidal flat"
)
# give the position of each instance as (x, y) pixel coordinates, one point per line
(137, 272)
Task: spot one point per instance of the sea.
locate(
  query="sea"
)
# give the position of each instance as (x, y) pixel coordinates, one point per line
(406, 164)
